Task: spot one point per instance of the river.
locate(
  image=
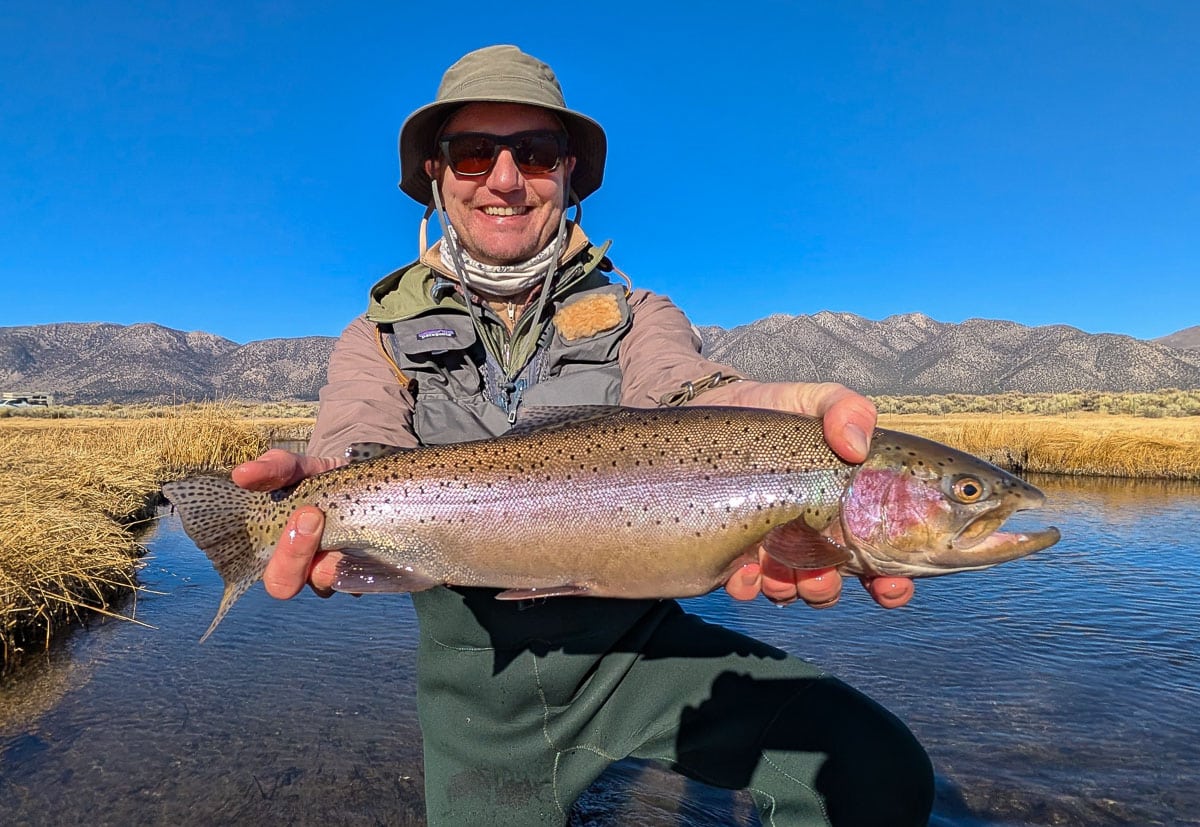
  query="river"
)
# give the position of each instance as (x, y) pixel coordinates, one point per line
(1063, 689)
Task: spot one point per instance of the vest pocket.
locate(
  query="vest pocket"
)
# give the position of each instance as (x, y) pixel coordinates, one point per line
(585, 336)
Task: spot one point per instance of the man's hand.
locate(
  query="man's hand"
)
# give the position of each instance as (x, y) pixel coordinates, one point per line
(849, 420)
(298, 558)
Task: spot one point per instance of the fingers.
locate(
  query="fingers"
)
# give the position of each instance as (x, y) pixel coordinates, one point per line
(743, 584)
(277, 468)
(782, 585)
(297, 559)
(819, 588)
(849, 418)
(848, 421)
(272, 470)
(889, 592)
(289, 568)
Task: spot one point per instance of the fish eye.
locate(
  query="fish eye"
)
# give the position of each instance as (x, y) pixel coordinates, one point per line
(967, 489)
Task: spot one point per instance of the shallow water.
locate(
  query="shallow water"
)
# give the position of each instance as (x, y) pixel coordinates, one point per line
(1063, 689)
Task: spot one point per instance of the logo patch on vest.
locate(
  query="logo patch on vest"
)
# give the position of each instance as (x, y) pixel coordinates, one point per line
(435, 333)
(588, 316)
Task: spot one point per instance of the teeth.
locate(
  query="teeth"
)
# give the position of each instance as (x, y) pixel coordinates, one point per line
(503, 210)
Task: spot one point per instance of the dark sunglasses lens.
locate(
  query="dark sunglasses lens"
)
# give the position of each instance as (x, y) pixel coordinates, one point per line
(537, 154)
(471, 154)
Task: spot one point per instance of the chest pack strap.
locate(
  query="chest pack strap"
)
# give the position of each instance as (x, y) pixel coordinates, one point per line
(405, 382)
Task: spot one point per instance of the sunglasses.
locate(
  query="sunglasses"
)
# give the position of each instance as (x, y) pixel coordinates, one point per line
(536, 152)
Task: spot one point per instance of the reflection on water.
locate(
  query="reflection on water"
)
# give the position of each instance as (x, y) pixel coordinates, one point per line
(1062, 689)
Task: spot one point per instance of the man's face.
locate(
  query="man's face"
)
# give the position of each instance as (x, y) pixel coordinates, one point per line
(503, 216)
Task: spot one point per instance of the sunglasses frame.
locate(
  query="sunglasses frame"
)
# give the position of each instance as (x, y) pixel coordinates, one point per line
(508, 142)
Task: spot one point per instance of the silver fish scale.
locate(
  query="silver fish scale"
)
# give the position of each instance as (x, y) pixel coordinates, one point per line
(651, 491)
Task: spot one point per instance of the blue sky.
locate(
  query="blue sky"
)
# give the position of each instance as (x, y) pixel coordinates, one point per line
(230, 167)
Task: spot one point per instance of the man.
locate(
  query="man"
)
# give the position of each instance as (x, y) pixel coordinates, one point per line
(523, 705)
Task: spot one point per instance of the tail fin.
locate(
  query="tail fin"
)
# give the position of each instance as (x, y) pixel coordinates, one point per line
(232, 526)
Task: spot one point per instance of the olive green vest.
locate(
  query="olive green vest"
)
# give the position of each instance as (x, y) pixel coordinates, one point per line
(462, 391)
(462, 388)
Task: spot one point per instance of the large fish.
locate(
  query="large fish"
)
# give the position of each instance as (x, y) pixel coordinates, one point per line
(625, 502)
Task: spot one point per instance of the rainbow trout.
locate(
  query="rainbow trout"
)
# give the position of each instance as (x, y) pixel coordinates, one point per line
(625, 502)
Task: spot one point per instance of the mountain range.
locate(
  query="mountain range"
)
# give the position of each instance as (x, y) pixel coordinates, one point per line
(905, 354)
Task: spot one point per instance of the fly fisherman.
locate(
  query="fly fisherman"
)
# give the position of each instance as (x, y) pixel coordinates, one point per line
(522, 705)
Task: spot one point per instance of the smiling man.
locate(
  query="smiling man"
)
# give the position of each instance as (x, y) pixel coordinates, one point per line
(523, 705)
(500, 214)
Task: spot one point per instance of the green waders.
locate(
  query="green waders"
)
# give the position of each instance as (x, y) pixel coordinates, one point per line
(516, 728)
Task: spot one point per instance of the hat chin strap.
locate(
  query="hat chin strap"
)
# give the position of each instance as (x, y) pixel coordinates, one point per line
(436, 206)
(501, 279)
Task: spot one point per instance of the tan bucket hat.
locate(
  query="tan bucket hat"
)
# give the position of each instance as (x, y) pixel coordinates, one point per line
(499, 74)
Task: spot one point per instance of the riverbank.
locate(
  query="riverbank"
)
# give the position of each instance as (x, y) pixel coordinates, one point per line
(73, 493)
(73, 489)
(1077, 444)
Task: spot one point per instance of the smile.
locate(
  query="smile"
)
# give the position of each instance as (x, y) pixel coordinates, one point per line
(505, 210)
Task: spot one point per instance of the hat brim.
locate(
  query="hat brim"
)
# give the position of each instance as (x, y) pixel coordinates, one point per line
(586, 142)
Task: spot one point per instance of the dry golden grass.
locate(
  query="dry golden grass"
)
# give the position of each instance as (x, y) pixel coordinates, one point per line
(1079, 444)
(146, 410)
(1168, 402)
(71, 490)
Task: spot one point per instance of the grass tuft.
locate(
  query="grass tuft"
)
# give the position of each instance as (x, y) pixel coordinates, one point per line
(73, 491)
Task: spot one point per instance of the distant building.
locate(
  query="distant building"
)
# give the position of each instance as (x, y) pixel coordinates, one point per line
(22, 399)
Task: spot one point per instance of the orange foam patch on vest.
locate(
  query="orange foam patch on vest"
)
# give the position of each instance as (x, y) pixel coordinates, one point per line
(588, 316)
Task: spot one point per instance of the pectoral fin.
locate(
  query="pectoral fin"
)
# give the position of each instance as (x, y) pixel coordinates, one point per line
(799, 545)
(360, 573)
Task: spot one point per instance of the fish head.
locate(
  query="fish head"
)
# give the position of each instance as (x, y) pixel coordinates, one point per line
(917, 508)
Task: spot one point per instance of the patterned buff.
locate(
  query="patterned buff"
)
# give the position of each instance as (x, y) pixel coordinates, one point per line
(497, 279)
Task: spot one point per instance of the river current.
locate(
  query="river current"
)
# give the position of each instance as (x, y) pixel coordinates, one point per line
(1063, 689)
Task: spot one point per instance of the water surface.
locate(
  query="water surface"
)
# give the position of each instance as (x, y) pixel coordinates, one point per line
(1063, 689)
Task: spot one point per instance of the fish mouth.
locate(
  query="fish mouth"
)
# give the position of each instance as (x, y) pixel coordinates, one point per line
(981, 538)
(987, 546)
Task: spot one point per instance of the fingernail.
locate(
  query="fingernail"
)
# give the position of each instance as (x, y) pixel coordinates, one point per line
(750, 573)
(857, 438)
(308, 522)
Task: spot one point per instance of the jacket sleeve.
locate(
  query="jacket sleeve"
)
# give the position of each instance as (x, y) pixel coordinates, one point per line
(362, 400)
(661, 352)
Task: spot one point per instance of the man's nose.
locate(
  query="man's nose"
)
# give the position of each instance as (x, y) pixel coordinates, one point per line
(504, 175)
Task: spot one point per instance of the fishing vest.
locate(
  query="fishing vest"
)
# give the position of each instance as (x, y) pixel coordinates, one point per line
(461, 390)
(461, 393)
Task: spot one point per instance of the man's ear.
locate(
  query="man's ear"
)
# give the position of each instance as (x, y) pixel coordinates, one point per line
(431, 168)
